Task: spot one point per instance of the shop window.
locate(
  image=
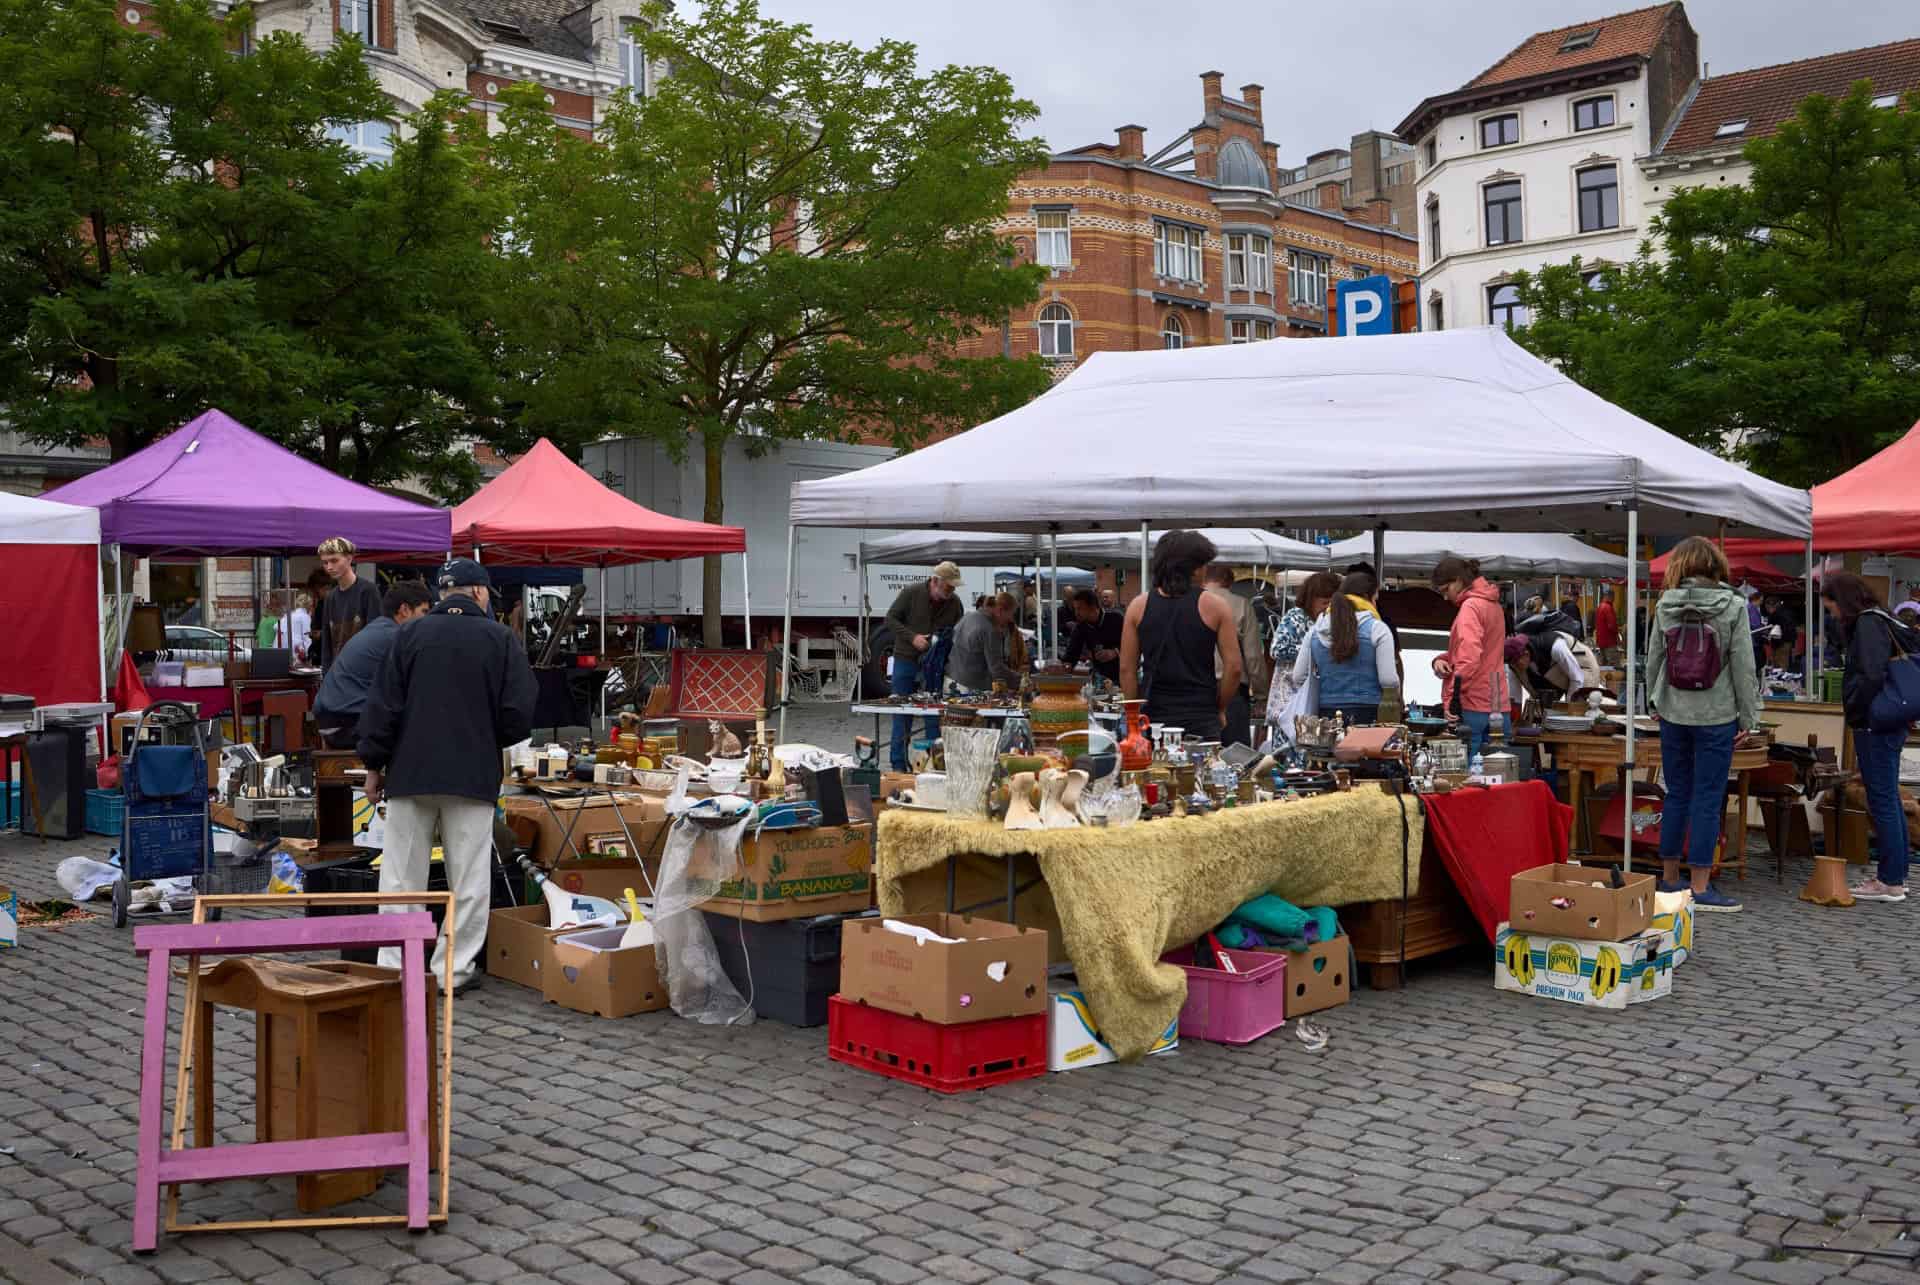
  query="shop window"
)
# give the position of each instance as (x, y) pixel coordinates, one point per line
(1056, 331)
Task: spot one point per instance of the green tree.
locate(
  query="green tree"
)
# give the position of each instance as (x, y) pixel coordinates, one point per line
(178, 231)
(791, 238)
(1781, 317)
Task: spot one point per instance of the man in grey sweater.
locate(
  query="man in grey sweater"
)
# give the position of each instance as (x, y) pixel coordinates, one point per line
(921, 611)
(979, 657)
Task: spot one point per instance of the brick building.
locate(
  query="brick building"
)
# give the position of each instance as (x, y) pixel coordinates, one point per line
(1187, 245)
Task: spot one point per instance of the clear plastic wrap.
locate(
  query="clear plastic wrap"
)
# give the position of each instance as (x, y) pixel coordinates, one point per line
(698, 859)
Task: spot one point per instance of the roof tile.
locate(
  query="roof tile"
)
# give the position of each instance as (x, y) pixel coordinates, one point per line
(1631, 34)
(1766, 96)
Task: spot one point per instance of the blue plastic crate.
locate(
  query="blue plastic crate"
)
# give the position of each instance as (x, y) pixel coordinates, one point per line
(105, 808)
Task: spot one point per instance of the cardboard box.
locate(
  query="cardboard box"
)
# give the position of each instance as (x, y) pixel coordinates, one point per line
(596, 831)
(605, 878)
(1609, 975)
(9, 917)
(589, 972)
(1073, 1041)
(794, 874)
(520, 945)
(1321, 976)
(1602, 913)
(991, 969)
(1678, 925)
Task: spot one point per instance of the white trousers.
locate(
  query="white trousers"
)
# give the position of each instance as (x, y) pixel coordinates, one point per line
(466, 841)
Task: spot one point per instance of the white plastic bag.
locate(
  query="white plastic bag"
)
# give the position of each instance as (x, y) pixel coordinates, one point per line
(83, 878)
(697, 861)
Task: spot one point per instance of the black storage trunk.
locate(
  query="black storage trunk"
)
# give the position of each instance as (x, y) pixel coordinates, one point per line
(790, 967)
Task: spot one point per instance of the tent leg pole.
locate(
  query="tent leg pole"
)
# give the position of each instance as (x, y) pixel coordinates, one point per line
(1143, 557)
(603, 609)
(1053, 592)
(860, 597)
(1633, 660)
(786, 637)
(120, 610)
(1380, 556)
(746, 604)
(1813, 624)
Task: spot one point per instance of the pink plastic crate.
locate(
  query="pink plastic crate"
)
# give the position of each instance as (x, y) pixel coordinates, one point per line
(1233, 1008)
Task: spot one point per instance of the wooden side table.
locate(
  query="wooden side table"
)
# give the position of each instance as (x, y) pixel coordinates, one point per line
(1583, 755)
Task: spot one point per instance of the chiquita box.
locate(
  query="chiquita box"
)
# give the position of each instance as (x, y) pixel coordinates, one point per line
(1598, 974)
(1073, 1042)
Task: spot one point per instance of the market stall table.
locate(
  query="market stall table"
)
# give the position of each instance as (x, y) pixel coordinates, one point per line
(1584, 754)
(881, 709)
(1114, 900)
(241, 688)
(211, 702)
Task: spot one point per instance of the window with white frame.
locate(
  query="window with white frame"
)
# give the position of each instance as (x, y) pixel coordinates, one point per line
(1500, 131)
(371, 139)
(357, 17)
(1504, 308)
(1502, 202)
(1433, 231)
(1593, 113)
(633, 64)
(1436, 313)
(1249, 261)
(1056, 331)
(1177, 252)
(1307, 278)
(1248, 330)
(1173, 332)
(1599, 197)
(1053, 243)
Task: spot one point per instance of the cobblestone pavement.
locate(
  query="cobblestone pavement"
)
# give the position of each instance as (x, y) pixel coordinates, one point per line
(1449, 1133)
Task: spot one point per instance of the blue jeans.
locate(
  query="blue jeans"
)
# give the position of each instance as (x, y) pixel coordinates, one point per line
(1694, 763)
(1879, 756)
(906, 681)
(1476, 724)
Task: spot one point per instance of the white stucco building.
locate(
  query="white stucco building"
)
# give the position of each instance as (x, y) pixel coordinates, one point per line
(1536, 160)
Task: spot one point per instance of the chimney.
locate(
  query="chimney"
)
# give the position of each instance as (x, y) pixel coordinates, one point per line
(1210, 91)
(1250, 95)
(1271, 151)
(1133, 142)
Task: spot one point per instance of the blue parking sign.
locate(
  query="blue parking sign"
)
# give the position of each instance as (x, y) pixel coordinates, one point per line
(1366, 306)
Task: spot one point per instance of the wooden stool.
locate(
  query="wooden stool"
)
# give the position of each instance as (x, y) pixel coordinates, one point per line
(328, 1059)
(1784, 816)
(161, 1165)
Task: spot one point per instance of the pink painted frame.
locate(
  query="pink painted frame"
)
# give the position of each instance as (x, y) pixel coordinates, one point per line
(159, 1165)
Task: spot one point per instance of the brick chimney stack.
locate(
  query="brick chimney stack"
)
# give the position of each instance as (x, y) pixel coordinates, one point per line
(1133, 142)
(1250, 95)
(1210, 90)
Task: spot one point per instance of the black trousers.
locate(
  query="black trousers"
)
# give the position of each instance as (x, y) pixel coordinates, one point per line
(1239, 719)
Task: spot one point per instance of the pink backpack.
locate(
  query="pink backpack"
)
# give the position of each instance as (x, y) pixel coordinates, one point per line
(1693, 658)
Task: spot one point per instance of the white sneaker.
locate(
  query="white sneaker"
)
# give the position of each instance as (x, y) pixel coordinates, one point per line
(1874, 890)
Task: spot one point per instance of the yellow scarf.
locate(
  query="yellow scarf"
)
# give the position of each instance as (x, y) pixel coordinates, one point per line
(1361, 604)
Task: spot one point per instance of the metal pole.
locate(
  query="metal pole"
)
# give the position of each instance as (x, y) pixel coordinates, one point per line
(603, 611)
(1143, 558)
(1380, 555)
(1053, 591)
(120, 611)
(786, 637)
(1633, 658)
(1807, 670)
(746, 602)
(860, 572)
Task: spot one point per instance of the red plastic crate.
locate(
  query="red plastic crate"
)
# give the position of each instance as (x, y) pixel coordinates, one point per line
(1233, 1008)
(947, 1059)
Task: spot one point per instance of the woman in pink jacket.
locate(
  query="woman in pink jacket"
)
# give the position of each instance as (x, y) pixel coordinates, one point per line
(1474, 668)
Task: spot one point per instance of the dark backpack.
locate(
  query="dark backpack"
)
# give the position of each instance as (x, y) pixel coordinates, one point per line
(1694, 657)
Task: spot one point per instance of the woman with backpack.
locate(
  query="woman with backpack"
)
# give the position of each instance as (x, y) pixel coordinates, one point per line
(1349, 656)
(1873, 640)
(1473, 673)
(1701, 682)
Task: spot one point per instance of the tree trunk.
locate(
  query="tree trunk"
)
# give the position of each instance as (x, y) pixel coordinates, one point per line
(713, 511)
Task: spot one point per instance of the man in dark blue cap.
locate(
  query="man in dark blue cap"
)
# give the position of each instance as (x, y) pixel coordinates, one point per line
(454, 691)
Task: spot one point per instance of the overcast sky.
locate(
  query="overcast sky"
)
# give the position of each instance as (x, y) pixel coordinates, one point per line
(1329, 70)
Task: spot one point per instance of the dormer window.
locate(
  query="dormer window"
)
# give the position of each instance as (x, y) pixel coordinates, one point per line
(1886, 100)
(1580, 40)
(1732, 129)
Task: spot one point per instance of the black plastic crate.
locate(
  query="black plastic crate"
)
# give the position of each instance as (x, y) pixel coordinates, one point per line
(359, 875)
(790, 967)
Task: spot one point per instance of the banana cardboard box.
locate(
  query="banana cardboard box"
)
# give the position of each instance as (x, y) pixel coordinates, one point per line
(1598, 974)
(1073, 1042)
(1673, 915)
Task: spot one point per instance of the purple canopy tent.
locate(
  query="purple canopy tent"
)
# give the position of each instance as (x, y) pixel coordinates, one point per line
(215, 487)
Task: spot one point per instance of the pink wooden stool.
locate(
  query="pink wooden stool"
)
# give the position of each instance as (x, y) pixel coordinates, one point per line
(161, 1166)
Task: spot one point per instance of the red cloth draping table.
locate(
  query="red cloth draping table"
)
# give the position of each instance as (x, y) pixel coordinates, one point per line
(1486, 836)
(212, 702)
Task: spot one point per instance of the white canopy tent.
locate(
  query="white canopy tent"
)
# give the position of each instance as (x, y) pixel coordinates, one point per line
(1457, 430)
(1499, 553)
(53, 597)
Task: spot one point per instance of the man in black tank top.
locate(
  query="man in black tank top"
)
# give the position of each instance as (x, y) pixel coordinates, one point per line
(1171, 639)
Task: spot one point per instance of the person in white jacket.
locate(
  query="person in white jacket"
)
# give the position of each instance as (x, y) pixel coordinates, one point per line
(1349, 657)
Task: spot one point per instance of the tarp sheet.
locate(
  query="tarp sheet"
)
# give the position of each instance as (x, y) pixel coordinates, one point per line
(547, 511)
(214, 486)
(1486, 837)
(1463, 428)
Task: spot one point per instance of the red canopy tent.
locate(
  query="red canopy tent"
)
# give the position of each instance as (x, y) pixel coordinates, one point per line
(547, 511)
(1871, 508)
(1745, 565)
